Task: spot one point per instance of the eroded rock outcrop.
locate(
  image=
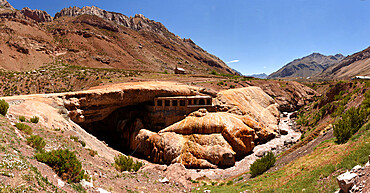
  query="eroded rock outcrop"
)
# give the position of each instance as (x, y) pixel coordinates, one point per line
(96, 104)
(139, 22)
(290, 95)
(201, 140)
(5, 4)
(255, 106)
(37, 15)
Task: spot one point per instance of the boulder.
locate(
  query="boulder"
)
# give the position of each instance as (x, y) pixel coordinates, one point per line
(346, 181)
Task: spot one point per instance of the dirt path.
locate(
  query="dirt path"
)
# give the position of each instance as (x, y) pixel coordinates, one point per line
(276, 145)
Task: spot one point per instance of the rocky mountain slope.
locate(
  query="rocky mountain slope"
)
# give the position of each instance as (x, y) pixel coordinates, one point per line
(6, 4)
(357, 64)
(97, 38)
(307, 66)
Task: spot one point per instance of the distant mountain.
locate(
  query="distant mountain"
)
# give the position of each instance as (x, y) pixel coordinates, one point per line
(261, 76)
(357, 64)
(307, 66)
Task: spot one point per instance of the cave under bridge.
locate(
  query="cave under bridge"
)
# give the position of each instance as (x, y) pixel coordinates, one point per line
(120, 127)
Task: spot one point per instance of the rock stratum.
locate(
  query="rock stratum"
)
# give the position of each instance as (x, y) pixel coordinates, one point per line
(93, 37)
(307, 66)
(244, 118)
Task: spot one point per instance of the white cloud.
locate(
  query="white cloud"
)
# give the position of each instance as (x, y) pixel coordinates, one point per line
(232, 61)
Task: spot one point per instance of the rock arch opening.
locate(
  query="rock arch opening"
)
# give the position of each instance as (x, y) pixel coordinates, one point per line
(121, 126)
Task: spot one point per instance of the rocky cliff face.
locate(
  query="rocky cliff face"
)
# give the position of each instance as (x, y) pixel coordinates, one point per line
(357, 64)
(37, 15)
(139, 22)
(290, 95)
(4, 4)
(307, 66)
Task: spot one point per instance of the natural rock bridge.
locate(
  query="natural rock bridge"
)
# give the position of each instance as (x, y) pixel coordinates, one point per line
(156, 120)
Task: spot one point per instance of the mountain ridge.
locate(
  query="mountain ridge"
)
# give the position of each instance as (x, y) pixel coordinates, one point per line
(357, 64)
(307, 66)
(94, 37)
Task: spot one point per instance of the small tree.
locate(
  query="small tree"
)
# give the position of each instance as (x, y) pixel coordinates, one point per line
(4, 106)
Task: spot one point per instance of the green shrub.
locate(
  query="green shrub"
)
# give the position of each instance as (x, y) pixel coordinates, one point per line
(34, 119)
(214, 72)
(126, 163)
(64, 163)
(351, 121)
(23, 127)
(4, 106)
(74, 138)
(263, 164)
(82, 143)
(22, 118)
(36, 142)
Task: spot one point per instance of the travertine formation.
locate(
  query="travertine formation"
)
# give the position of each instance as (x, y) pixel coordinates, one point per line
(201, 140)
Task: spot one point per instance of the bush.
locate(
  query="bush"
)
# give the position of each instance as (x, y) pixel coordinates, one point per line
(349, 124)
(263, 164)
(82, 143)
(36, 142)
(4, 106)
(64, 163)
(22, 118)
(126, 163)
(214, 72)
(23, 127)
(34, 119)
(74, 138)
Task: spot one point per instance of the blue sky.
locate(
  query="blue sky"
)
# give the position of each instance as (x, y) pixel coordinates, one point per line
(252, 36)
